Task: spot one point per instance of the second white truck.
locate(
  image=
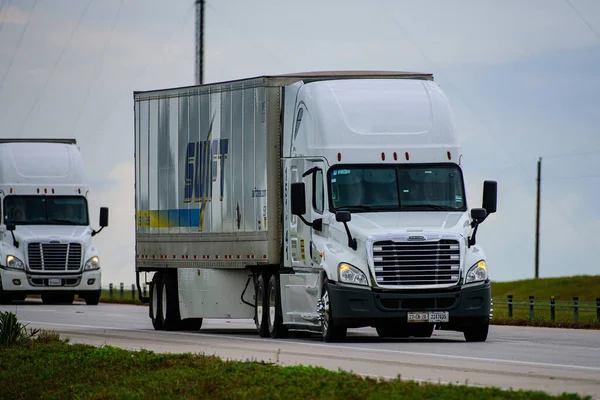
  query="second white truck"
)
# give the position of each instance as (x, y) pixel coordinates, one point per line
(310, 202)
(46, 245)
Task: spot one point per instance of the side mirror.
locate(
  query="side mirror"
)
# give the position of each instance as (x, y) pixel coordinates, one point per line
(11, 227)
(103, 216)
(478, 215)
(490, 196)
(343, 216)
(298, 198)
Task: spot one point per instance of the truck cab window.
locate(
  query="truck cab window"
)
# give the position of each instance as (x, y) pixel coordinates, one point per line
(318, 192)
(46, 210)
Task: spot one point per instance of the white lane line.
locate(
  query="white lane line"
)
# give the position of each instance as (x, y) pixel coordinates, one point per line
(366, 349)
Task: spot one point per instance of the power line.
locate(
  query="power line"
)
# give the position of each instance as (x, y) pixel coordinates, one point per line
(39, 96)
(583, 19)
(5, 14)
(96, 67)
(12, 57)
(574, 154)
(144, 71)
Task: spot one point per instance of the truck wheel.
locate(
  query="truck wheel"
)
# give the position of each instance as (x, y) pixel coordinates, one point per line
(155, 296)
(261, 307)
(92, 299)
(275, 316)
(170, 303)
(329, 330)
(477, 333)
(191, 324)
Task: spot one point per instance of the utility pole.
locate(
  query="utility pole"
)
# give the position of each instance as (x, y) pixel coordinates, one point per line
(537, 220)
(199, 42)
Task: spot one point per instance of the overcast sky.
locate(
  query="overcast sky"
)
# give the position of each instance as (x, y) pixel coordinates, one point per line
(523, 79)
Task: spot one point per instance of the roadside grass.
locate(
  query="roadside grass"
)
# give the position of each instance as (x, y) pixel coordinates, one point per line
(57, 370)
(585, 287)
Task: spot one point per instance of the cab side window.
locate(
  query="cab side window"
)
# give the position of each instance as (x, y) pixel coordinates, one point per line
(318, 192)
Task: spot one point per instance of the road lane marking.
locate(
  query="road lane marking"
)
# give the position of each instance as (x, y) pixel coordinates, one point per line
(366, 349)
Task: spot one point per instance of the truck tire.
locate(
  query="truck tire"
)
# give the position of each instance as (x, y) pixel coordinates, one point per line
(170, 303)
(261, 306)
(330, 331)
(275, 315)
(191, 324)
(477, 333)
(92, 299)
(155, 303)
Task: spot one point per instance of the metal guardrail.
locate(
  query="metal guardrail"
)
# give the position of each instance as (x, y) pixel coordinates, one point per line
(551, 305)
(121, 291)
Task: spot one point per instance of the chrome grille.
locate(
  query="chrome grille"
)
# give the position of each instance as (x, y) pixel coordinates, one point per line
(416, 263)
(54, 256)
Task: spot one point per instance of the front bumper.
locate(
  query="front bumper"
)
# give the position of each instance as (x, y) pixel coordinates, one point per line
(19, 282)
(354, 307)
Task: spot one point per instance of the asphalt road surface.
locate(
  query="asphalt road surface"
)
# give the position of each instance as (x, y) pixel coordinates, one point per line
(551, 360)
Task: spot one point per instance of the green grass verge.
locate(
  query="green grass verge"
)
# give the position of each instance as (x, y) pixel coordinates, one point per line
(57, 370)
(586, 287)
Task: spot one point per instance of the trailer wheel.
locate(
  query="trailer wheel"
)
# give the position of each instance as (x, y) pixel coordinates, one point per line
(329, 330)
(155, 296)
(477, 333)
(170, 303)
(260, 311)
(275, 316)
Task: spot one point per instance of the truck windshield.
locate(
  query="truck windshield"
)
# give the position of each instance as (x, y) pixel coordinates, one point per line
(45, 210)
(398, 188)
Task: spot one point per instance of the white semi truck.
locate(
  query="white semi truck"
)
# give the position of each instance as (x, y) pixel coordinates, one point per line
(309, 202)
(45, 234)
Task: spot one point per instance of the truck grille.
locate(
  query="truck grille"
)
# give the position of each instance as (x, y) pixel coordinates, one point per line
(54, 256)
(416, 263)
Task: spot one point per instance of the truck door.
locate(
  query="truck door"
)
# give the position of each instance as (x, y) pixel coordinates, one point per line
(301, 242)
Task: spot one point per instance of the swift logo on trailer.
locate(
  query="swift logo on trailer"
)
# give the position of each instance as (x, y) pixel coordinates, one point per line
(204, 165)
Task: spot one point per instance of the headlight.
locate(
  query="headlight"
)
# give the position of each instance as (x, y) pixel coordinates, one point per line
(350, 274)
(14, 263)
(92, 263)
(477, 272)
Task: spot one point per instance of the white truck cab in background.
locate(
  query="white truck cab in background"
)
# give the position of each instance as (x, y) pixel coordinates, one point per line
(45, 234)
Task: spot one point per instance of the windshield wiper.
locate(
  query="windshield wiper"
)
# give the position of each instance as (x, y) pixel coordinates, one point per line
(357, 207)
(429, 207)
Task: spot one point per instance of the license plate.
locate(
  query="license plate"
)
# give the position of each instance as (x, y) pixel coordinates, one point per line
(431, 316)
(54, 282)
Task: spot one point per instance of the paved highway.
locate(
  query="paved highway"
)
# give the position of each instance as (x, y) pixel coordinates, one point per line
(552, 360)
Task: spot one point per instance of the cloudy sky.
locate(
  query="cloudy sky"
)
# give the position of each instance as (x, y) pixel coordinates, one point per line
(523, 79)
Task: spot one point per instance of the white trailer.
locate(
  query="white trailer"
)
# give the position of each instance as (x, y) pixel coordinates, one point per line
(46, 239)
(310, 202)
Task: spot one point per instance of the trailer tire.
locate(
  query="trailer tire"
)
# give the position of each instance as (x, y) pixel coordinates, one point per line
(261, 305)
(330, 331)
(155, 303)
(275, 316)
(477, 333)
(170, 303)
